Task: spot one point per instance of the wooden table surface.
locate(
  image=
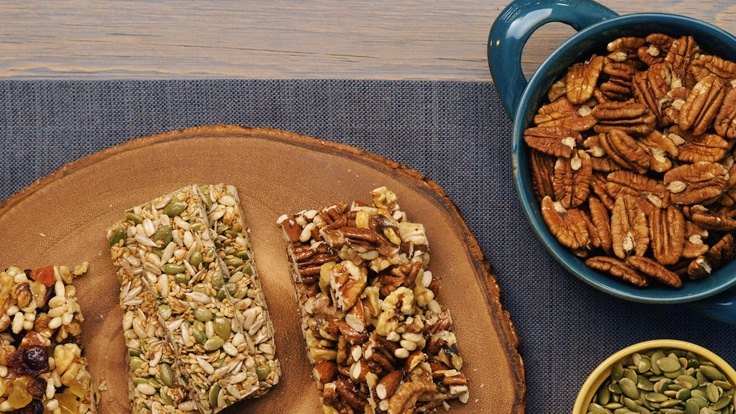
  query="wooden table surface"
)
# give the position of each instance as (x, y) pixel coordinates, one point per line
(277, 39)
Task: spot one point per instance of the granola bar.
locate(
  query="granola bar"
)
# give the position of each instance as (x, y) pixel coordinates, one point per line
(377, 339)
(168, 246)
(226, 218)
(155, 378)
(42, 369)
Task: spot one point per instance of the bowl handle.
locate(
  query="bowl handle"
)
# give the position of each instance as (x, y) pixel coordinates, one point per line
(515, 25)
(721, 307)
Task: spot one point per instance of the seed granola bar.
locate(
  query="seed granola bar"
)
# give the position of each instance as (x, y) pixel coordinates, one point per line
(169, 247)
(42, 369)
(377, 339)
(226, 218)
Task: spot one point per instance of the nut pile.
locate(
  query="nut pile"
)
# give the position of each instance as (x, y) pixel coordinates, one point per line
(632, 160)
(196, 324)
(378, 340)
(664, 381)
(42, 369)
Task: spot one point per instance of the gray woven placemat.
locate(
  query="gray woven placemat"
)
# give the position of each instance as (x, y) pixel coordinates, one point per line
(455, 133)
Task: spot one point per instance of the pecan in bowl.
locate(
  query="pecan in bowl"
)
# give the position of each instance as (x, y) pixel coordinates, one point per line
(623, 148)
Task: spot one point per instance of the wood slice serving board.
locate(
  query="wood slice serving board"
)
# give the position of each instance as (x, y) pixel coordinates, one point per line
(62, 218)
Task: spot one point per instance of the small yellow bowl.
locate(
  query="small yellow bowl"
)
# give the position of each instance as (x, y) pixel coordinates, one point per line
(603, 371)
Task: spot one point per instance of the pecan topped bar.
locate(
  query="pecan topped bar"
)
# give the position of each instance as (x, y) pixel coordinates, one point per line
(378, 340)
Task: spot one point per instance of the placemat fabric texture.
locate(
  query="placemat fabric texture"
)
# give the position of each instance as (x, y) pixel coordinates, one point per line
(455, 133)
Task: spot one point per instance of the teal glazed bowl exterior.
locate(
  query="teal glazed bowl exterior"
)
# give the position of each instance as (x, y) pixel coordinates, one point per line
(596, 25)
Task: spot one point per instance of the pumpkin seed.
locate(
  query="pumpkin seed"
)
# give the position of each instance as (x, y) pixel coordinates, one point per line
(202, 314)
(711, 372)
(262, 372)
(116, 236)
(195, 259)
(167, 375)
(668, 364)
(722, 402)
(135, 218)
(687, 381)
(594, 408)
(213, 394)
(628, 387)
(166, 399)
(712, 392)
(173, 268)
(692, 407)
(175, 207)
(163, 234)
(213, 343)
(664, 382)
(223, 329)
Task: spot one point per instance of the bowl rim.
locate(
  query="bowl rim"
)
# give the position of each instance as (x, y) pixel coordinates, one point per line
(545, 74)
(603, 370)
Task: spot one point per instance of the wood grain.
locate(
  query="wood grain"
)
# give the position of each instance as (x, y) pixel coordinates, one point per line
(278, 39)
(74, 231)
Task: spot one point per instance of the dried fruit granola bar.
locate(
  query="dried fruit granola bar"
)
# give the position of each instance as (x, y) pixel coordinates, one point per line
(42, 369)
(201, 296)
(376, 337)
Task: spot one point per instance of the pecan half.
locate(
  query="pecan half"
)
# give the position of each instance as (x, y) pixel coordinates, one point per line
(567, 225)
(625, 150)
(696, 183)
(699, 268)
(652, 85)
(702, 104)
(617, 268)
(625, 48)
(725, 122)
(598, 184)
(618, 85)
(704, 65)
(408, 393)
(562, 113)
(655, 270)
(671, 104)
(667, 234)
(723, 220)
(680, 54)
(571, 181)
(694, 241)
(658, 44)
(542, 168)
(630, 116)
(556, 141)
(582, 78)
(661, 151)
(695, 148)
(722, 252)
(629, 229)
(599, 216)
(620, 183)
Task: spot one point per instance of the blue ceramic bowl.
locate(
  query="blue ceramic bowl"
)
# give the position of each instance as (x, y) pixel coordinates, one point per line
(596, 25)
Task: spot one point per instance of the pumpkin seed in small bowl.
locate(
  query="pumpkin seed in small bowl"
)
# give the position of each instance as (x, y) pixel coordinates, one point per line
(659, 377)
